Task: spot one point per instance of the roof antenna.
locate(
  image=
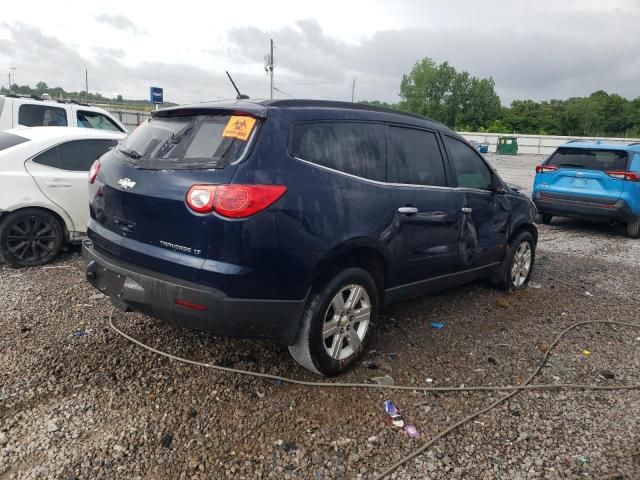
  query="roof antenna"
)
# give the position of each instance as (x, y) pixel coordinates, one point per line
(240, 95)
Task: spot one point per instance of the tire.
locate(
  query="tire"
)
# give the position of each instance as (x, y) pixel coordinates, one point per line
(633, 228)
(30, 237)
(332, 355)
(517, 267)
(542, 218)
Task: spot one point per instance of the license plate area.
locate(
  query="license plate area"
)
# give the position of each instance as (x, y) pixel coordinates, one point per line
(109, 282)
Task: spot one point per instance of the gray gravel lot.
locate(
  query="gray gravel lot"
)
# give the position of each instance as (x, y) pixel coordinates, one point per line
(92, 406)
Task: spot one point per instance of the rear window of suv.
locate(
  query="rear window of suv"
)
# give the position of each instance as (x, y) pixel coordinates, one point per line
(355, 148)
(188, 142)
(589, 159)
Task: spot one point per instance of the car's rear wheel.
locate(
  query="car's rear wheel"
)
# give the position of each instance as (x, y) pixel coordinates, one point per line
(633, 228)
(30, 237)
(518, 264)
(337, 323)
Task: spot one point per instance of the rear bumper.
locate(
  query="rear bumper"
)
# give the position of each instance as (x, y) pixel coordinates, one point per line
(618, 211)
(135, 288)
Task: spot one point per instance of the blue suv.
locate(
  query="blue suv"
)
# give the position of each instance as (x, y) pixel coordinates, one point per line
(297, 221)
(591, 180)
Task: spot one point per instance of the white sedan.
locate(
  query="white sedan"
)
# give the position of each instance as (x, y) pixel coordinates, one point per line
(43, 189)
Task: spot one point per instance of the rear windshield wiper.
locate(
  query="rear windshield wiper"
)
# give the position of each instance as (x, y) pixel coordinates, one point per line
(130, 153)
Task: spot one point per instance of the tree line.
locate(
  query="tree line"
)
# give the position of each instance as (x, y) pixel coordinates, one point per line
(467, 103)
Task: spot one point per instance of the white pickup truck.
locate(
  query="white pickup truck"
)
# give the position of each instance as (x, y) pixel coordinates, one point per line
(16, 111)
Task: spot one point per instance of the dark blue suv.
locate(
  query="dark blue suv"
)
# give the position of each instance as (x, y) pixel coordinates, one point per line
(297, 220)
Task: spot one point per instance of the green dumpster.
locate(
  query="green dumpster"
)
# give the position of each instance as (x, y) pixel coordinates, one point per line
(507, 146)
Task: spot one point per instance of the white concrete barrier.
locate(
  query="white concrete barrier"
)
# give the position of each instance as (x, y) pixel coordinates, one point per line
(535, 144)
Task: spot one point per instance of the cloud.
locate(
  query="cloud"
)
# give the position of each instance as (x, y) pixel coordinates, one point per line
(559, 59)
(118, 21)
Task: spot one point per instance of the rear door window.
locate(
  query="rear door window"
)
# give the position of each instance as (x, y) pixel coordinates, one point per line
(189, 142)
(414, 158)
(97, 120)
(48, 158)
(589, 159)
(470, 169)
(42, 116)
(354, 148)
(8, 140)
(79, 155)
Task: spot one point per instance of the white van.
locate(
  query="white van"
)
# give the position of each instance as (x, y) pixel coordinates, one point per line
(16, 111)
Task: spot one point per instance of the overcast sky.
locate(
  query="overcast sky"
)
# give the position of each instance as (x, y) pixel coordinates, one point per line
(539, 50)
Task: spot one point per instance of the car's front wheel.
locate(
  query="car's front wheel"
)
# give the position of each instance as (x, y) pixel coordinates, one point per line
(30, 237)
(518, 264)
(337, 323)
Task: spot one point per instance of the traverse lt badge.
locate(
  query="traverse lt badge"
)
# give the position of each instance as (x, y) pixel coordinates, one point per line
(126, 183)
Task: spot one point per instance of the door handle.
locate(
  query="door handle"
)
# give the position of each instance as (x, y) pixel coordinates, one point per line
(467, 209)
(408, 210)
(58, 184)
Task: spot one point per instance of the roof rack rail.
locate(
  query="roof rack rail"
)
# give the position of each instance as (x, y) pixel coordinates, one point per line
(633, 143)
(577, 140)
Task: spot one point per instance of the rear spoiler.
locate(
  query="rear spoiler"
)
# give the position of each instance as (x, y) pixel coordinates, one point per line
(229, 107)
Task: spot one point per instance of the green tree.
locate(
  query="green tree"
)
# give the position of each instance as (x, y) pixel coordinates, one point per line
(451, 97)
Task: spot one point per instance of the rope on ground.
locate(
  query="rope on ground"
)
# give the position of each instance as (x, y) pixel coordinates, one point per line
(512, 389)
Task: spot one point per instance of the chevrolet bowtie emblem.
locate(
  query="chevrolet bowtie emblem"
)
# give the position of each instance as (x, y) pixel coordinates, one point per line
(126, 183)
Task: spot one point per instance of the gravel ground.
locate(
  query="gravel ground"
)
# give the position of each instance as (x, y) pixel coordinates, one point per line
(92, 405)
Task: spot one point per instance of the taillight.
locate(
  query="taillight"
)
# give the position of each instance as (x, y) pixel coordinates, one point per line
(624, 175)
(93, 171)
(546, 168)
(233, 201)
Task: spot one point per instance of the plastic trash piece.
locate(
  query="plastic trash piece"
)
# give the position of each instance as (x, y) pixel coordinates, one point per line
(81, 333)
(586, 352)
(429, 380)
(588, 294)
(397, 420)
(393, 355)
(384, 380)
(390, 407)
(437, 325)
(411, 431)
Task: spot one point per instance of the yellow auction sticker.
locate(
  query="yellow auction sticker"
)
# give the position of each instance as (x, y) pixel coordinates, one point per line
(239, 127)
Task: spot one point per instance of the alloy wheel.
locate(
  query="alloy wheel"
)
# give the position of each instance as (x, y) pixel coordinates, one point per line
(521, 264)
(346, 322)
(31, 238)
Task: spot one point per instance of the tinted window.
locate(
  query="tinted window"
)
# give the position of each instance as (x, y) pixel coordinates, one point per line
(49, 158)
(589, 159)
(96, 120)
(414, 157)
(79, 155)
(355, 148)
(188, 142)
(8, 140)
(42, 116)
(470, 169)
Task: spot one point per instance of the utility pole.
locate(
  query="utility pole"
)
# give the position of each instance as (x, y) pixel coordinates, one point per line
(268, 66)
(86, 85)
(9, 83)
(13, 69)
(353, 89)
